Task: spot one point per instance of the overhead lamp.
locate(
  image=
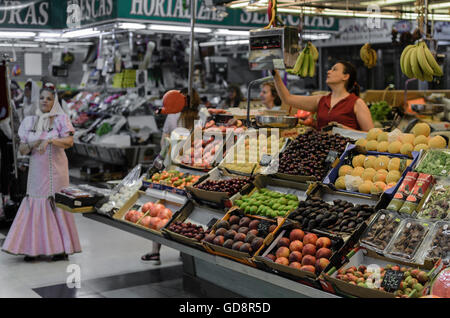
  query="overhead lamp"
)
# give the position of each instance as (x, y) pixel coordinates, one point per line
(19, 45)
(132, 26)
(382, 3)
(232, 32)
(439, 5)
(341, 13)
(55, 40)
(237, 42)
(176, 28)
(12, 34)
(81, 33)
(50, 34)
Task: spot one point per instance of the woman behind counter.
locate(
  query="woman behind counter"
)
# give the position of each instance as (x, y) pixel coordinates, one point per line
(342, 105)
(40, 228)
(269, 96)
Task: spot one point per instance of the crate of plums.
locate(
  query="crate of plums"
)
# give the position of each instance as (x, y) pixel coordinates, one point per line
(367, 274)
(310, 156)
(301, 255)
(240, 237)
(220, 187)
(191, 224)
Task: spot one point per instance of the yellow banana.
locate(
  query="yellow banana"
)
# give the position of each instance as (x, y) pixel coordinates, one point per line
(304, 69)
(314, 51)
(311, 66)
(402, 57)
(437, 71)
(363, 53)
(373, 60)
(407, 63)
(426, 68)
(428, 77)
(299, 62)
(415, 64)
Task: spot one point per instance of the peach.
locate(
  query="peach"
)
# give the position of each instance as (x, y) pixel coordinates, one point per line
(308, 268)
(324, 253)
(309, 249)
(240, 237)
(282, 261)
(308, 260)
(322, 263)
(296, 246)
(295, 256)
(295, 265)
(323, 242)
(284, 241)
(310, 238)
(282, 251)
(296, 234)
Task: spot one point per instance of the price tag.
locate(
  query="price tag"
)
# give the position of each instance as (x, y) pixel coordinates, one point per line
(278, 64)
(77, 203)
(265, 160)
(391, 281)
(136, 207)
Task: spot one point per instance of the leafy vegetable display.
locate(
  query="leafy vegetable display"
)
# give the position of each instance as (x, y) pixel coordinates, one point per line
(380, 110)
(436, 162)
(438, 203)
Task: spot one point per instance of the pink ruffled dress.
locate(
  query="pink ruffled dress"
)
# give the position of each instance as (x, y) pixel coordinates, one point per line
(38, 229)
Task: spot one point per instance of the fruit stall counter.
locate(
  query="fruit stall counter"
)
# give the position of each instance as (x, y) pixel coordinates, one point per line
(239, 278)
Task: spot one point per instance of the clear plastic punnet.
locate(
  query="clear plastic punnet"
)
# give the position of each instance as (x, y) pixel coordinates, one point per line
(409, 238)
(438, 243)
(382, 230)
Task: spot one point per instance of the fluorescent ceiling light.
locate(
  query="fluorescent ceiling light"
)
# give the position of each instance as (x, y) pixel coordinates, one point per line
(39, 39)
(340, 13)
(176, 28)
(385, 2)
(232, 32)
(12, 34)
(133, 26)
(439, 5)
(19, 45)
(239, 5)
(49, 34)
(212, 43)
(237, 42)
(81, 33)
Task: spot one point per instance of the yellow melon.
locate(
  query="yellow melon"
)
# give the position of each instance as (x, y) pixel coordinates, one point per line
(421, 129)
(361, 142)
(344, 170)
(394, 164)
(372, 145)
(420, 140)
(368, 174)
(437, 142)
(365, 187)
(358, 161)
(406, 149)
(340, 183)
(357, 171)
(380, 184)
(381, 162)
(383, 146)
(420, 147)
(369, 162)
(393, 176)
(382, 136)
(394, 147)
(390, 185)
(376, 189)
(373, 134)
(407, 139)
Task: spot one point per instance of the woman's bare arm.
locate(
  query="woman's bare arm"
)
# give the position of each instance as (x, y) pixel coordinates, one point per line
(308, 103)
(65, 143)
(363, 115)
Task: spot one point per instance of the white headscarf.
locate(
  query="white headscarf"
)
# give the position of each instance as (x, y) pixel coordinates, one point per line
(31, 104)
(43, 122)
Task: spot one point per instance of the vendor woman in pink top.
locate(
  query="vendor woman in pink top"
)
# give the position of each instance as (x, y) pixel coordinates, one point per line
(40, 228)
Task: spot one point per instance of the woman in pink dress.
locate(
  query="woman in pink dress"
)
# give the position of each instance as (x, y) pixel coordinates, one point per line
(40, 228)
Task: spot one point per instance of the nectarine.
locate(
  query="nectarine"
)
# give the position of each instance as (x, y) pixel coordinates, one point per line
(284, 241)
(308, 268)
(295, 265)
(282, 261)
(310, 238)
(282, 251)
(296, 234)
(323, 242)
(309, 249)
(295, 256)
(308, 260)
(296, 246)
(324, 253)
(322, 263)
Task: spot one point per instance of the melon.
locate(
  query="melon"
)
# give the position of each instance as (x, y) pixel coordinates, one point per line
(372, 145)
(357, 172)
(407, 139)
(369, 162)
(421, 129)
(382, 136)
(393, 176)
(365, 187)
(420, 140)
(383, 146)
(361, 142)
(381, 162)
(368, 174)
(394, 164)
(406, 149)
(340, 183)
(373, 134)
(344, 170)
(437, 142)
(358, 161)
(394, 147)
(420, 147)
(380, 176)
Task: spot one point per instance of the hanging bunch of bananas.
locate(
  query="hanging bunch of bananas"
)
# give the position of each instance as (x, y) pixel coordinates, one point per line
(417, 61)
(306, 62)
(368, 55)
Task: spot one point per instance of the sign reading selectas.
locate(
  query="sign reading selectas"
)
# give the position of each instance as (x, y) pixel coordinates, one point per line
(95, 10)
(174, 10)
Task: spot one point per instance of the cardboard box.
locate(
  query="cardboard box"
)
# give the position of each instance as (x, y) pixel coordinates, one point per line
(361, 256)
(301, 276)
(245, 258)
(214, 196)
(136, 202)
(196, 214)
(331, 177)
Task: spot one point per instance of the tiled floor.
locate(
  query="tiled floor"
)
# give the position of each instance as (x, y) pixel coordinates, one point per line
(110, 266)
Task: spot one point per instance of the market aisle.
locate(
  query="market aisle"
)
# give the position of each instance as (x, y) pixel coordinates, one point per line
(109, 266)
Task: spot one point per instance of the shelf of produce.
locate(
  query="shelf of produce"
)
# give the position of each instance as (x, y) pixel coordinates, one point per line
(226, 269)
